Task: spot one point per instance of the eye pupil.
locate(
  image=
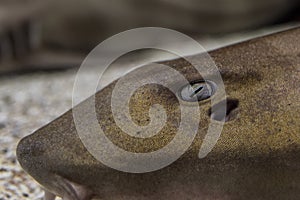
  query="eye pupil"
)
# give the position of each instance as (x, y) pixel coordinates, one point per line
(198, 91)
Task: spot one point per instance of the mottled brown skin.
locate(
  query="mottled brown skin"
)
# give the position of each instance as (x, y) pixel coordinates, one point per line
(256, 157)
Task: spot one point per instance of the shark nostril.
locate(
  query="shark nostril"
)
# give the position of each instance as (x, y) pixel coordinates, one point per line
(198, 91)
(219, 113)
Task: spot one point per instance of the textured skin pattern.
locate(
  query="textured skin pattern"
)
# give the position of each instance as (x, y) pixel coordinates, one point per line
(256, 157)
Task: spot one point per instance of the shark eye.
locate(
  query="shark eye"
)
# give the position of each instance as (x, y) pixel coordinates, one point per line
(197, 91)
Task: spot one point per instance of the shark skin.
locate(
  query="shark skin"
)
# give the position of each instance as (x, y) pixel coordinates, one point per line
(256, 157)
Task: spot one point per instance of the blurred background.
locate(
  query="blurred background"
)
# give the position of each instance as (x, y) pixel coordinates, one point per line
(37, 34)
(43, 42)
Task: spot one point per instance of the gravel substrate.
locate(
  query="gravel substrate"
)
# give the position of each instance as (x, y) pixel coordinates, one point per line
(27, 102)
